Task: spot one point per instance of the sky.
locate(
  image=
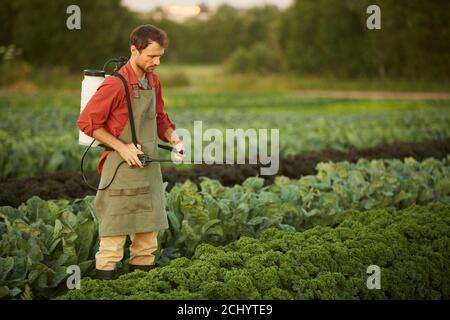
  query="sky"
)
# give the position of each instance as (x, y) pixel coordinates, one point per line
(146, 5)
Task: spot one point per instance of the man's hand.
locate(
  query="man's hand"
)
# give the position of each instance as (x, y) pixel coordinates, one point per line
(179, 152)
(129, 153)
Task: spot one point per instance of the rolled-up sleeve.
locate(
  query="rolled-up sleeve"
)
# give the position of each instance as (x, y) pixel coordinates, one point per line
(163, 121)
(97, 110)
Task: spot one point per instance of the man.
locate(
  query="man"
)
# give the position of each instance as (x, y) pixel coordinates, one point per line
(134, 203)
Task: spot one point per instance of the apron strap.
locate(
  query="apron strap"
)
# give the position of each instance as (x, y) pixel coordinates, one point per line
(130, 111)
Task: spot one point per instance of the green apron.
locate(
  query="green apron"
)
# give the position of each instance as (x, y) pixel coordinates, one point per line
(135, 201)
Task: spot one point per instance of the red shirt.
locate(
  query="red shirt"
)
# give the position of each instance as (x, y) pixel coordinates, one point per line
(108, 107)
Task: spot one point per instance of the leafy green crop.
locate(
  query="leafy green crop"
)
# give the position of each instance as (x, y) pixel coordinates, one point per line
(39, 240)
(218, 214)
(44, 137)
(411, 247)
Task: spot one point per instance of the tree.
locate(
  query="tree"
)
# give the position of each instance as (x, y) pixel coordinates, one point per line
(40, 30)
(320, 37)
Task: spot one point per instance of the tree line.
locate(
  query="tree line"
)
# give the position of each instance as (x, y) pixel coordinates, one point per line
(311, 37)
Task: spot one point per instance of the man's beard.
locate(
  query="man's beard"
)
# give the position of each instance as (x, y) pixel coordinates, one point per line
(149, 69)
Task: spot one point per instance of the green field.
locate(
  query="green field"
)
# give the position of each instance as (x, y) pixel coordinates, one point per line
(396, 207)
(317, 144)
(38, 132)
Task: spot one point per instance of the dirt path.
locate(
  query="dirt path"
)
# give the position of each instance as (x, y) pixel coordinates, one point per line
(70, 185)
(375, 95)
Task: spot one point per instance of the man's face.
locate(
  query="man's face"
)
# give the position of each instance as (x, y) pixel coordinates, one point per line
(149, 58)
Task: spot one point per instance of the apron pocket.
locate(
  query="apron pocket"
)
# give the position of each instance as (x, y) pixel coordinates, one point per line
(129, 192)
(124, 201)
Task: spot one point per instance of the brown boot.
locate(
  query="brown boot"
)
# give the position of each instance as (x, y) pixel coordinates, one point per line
(145, 268)
(105, 274)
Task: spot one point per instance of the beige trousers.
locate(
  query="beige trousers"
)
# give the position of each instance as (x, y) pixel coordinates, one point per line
(141, 249)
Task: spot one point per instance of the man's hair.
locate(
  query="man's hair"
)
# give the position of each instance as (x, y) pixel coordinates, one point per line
(143, 35)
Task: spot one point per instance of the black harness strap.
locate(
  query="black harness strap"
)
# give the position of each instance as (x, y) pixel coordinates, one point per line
(130, 111)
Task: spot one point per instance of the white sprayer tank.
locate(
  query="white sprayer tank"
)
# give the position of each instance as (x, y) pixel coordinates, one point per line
(92, 80)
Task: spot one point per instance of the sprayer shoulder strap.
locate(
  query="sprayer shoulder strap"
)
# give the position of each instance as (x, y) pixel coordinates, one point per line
(130, 111)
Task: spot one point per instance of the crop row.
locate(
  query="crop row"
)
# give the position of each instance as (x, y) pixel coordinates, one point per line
(23, 153)
(41, 238)
(409, 250)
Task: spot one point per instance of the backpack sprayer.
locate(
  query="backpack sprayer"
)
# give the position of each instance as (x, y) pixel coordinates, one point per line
(92, 80)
